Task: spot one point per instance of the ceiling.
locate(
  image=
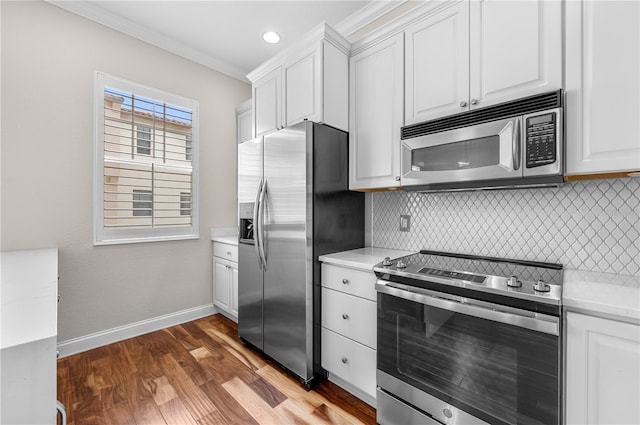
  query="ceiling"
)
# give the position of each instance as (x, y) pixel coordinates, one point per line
(227, 35)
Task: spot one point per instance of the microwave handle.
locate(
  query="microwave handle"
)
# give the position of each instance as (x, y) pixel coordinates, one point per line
(516, 144)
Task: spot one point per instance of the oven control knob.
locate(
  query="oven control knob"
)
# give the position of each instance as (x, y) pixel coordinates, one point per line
(540, 286)
(386, 262)
(400, 264)
(513, 282)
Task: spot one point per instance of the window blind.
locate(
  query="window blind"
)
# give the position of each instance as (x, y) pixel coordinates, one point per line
(147, 171)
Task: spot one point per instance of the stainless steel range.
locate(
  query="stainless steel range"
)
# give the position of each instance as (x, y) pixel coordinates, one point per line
(468, 340)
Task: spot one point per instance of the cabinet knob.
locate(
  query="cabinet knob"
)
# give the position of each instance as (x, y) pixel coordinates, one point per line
(345, 316)
(474, 101)
(345, 360)
(345, 281)
(397, 178)
(228, 252)
(463, 104)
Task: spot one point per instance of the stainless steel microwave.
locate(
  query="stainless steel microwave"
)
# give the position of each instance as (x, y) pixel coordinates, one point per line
(514, 144)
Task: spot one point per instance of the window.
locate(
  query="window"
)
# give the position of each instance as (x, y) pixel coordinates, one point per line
(146, 174)
(142, 203)
(143, 140)
(185, 203)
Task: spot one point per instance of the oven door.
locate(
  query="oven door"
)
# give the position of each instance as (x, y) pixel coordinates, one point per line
(491, 363)
(485, 151)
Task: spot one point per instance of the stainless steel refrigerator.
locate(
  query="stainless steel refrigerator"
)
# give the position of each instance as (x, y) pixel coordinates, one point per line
(294, 205)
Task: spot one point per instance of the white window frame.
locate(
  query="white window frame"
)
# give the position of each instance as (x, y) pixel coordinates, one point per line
(103, 236)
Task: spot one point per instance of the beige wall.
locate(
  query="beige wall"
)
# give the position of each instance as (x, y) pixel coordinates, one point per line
(48, 61)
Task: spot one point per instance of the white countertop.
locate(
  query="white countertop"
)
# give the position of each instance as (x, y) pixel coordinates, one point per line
(362, 258)
(227, 235)
(231, 240)
(28, 296)
(602, 293)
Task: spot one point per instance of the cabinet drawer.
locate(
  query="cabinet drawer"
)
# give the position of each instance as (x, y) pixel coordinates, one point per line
(350, 361)
(356, 282)
(226, 251)
(350, 316)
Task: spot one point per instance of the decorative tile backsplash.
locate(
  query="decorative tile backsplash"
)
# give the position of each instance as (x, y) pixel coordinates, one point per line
(590, 225)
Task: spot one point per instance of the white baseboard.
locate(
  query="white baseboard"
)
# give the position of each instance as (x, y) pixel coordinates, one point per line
(109, 336)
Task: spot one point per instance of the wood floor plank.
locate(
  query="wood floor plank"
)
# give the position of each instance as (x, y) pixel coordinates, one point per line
(184, 337)
(89, 411)
(236, 348)
(174, 412)
(150, 380)
(194, 399)
(268, 392)
(253, 403)
(147, 412)
(230, 409)
(297, 414)
(215, 418)
(163, 391)
(119, 415)
(141, 356)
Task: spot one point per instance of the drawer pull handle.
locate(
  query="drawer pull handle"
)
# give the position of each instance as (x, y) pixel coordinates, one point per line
(228, 252)
(345, 281)
(345, 360)
(345, 316)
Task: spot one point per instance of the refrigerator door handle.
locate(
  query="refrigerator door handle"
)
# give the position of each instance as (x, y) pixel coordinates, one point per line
(263, 195)
(256, 233)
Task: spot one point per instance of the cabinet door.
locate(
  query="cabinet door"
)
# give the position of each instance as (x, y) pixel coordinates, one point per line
(376, 115)
(233, 290)
(602, 86)
(221, 284)
(603, 366)
(515, 49)
(303, 87)
(437, 65)
(267, 103)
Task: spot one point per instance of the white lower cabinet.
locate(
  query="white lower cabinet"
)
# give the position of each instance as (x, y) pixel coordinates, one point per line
(603, 371)
(349, 329)
(350, 361)
(225, 279)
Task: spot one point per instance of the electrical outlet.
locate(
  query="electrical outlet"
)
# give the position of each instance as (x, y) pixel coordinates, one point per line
(405, 223)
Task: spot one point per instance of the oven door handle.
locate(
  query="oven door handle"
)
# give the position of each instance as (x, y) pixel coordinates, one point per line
(494, 312)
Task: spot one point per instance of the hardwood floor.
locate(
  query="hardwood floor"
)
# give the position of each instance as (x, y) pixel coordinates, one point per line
(197, 373)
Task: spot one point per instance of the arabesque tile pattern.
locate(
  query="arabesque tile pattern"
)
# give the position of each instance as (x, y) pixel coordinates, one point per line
(590, 225)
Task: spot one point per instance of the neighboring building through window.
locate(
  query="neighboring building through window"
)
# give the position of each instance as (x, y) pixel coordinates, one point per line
(146, 175)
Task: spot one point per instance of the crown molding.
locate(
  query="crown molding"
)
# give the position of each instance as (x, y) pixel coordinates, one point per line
(91, 11)
(364, 16)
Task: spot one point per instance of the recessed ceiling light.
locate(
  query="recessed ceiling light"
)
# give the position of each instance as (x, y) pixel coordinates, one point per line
(271, 37)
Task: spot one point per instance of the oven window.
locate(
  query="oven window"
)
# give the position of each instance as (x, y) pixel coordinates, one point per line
(468, 154)
(497, 372)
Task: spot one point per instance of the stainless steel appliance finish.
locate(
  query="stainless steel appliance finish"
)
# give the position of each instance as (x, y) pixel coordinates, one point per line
(467, 339)
(301, 209)
(519, 143)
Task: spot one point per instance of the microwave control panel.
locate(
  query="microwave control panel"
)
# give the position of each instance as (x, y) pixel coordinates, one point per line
(541, 140)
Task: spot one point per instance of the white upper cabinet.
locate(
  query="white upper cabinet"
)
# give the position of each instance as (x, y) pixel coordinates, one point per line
(437, 64)
(479, 53)
(307, 81)
(602, 86)
(376, 115)
(515, 50)
(267, 102)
